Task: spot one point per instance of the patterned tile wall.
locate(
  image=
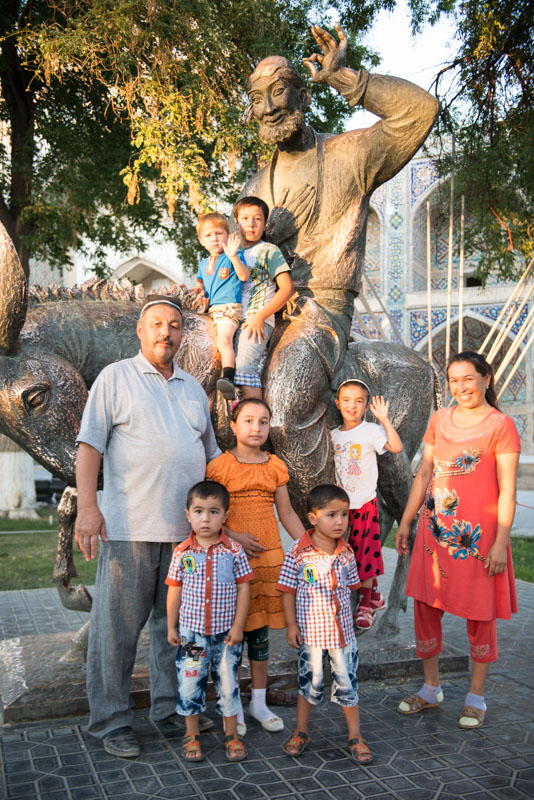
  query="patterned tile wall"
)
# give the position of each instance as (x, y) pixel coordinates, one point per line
(397, 238)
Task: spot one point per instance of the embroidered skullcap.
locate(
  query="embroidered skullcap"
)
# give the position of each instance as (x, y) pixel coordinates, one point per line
(353, 380)
(160, 299)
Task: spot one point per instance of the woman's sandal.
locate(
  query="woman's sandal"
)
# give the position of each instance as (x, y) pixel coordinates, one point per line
(298, 743)
(191, 749)
(359, 751)
(471, 718)
(415, 703)
(235, 748)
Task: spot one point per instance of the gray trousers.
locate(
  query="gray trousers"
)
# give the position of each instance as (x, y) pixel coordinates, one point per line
(130, 588)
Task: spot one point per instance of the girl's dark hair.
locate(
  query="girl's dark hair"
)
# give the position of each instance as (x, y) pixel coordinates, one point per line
(242, 403)
(482, 367)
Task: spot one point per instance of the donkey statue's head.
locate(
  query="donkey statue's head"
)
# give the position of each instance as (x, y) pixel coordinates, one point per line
(41, 395)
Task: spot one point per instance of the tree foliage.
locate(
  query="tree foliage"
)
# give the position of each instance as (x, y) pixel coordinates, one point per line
(487, 96)
(122, 117)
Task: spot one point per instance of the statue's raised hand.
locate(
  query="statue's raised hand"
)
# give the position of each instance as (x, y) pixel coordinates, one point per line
(323, 67)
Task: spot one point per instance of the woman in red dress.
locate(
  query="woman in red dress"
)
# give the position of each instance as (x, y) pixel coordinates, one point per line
(461, 560)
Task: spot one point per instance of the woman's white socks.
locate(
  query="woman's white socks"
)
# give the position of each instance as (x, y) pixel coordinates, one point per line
(431, 694)
(475, 700)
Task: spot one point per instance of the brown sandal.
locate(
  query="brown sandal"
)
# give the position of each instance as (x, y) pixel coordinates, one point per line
(359, 751)
(191, 749)
(235, 748)
(298, 743)
(414, 704)
(468, 713)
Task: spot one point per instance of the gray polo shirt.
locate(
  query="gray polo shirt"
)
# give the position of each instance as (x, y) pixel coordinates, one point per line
(156, 437)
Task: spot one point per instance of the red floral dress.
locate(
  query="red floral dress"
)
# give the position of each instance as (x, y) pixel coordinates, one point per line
(458, 521)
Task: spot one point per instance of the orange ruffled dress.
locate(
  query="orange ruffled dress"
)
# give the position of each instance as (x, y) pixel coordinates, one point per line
(252, 488)
(458, 521)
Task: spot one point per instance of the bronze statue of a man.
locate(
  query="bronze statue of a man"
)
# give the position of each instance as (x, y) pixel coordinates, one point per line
(318, 187)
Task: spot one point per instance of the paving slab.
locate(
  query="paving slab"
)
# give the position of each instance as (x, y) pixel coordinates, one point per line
(422, 757)
(39, 678)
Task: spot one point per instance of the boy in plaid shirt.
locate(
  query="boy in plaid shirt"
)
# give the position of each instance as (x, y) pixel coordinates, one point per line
(318, 574)
(208, 596)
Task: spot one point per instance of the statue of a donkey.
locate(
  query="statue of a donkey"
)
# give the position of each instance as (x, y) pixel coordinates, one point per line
(54, 342)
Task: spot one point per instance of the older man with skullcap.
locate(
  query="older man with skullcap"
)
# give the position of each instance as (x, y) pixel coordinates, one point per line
(149, 422)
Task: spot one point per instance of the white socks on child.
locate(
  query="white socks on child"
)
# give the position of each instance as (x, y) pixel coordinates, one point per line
(431, 694)
(475, 700)
(259, 711)
(258, 705)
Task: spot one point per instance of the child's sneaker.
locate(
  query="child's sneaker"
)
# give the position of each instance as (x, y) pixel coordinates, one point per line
(364, 618)
(378, 602)
(226, 388)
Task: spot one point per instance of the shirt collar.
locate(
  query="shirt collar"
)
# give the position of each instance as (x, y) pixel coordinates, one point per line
(145, 366)
(306, 541)
(191, 542)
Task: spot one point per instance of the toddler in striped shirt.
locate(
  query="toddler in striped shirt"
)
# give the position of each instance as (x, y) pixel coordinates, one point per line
(318, 574)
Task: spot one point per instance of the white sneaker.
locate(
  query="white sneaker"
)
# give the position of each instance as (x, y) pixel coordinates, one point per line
(273, 724)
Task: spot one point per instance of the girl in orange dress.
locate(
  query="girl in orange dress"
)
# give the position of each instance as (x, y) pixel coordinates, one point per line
(461, 560)
(257, 481)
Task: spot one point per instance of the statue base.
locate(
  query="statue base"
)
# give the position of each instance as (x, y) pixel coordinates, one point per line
(36, 684)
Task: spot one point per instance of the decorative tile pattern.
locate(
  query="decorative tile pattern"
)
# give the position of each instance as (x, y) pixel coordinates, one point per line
(373, 254)
(520, 423)
(359, 330)
(423, 175)
(396, 189)
(378, 199)
(397, 315)
(401, 207)
(493, 312)
(396, 220)
(516, 391)
(395, 294)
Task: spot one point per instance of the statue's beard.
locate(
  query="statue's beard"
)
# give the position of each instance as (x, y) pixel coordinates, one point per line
(279, 134)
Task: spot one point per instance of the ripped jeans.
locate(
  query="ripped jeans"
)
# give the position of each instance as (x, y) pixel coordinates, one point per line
(195, 656)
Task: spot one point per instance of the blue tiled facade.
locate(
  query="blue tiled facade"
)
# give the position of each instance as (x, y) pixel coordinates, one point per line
(396, 263)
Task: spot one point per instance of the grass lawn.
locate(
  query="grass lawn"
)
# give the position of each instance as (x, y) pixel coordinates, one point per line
(27, 560)
(522, 554)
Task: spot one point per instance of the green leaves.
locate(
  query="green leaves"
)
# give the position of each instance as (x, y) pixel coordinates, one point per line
(137, 111)
(488, 106)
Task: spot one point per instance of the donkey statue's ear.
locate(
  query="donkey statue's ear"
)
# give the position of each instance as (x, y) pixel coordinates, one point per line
(13, 294)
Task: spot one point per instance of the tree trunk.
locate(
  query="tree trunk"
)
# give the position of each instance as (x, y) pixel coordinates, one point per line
(17, 91)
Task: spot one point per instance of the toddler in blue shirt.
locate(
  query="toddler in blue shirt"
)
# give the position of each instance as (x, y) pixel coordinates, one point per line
(221, 277)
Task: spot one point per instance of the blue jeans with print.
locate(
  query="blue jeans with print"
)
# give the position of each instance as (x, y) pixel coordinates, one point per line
(196, 654)
(343, 668)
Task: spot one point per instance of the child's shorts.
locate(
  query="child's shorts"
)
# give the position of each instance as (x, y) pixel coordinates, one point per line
(364, 538)
(343, 668)
(250, 357)
(196, 654)
(228, 312)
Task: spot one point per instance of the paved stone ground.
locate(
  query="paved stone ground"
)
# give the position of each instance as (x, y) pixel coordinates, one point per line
(424, 757)
(418, 758)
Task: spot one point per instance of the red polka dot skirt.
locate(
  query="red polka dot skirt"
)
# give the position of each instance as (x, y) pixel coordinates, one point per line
(364, 538)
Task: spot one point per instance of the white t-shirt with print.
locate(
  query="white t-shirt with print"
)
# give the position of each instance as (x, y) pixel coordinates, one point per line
(355, 454)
